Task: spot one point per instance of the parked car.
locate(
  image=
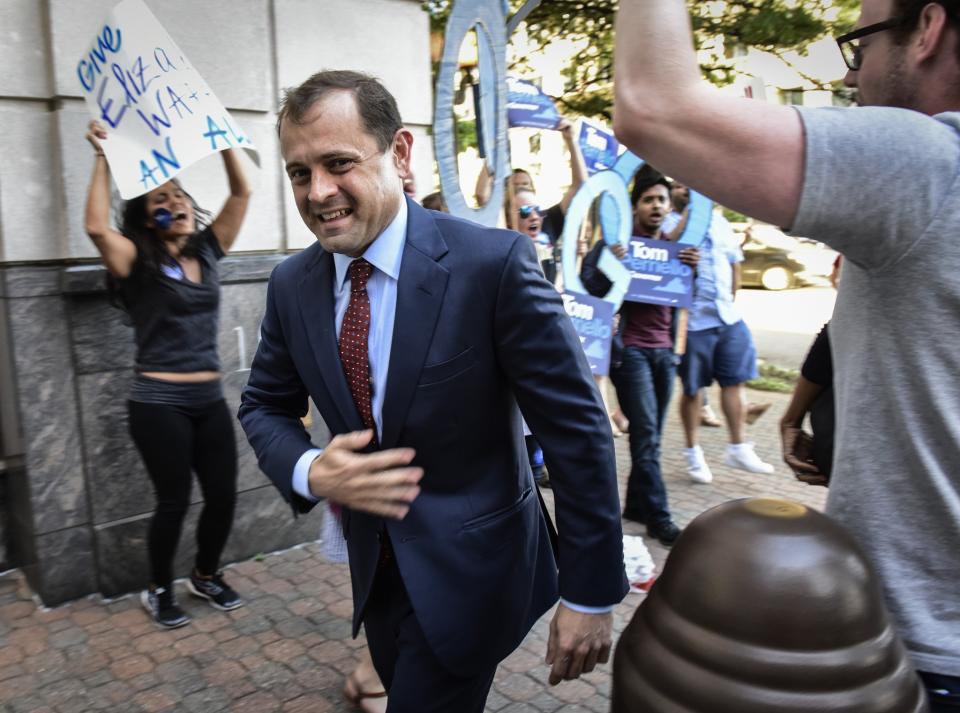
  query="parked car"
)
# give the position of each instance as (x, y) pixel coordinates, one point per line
(776, 261)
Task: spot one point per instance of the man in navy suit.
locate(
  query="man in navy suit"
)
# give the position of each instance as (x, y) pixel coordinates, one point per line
(417, 335)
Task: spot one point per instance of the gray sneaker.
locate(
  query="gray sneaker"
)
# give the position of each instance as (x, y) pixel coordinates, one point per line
(161, 605)
(214, 590)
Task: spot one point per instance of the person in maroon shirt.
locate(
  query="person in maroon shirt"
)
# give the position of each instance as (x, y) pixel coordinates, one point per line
(644, 376)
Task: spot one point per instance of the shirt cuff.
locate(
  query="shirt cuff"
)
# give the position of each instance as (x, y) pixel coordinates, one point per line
(301, 470)
(586, 610)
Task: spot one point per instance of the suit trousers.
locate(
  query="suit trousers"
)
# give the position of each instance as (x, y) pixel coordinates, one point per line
(416, 681)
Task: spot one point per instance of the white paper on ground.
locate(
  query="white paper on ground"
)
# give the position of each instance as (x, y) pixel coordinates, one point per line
(638, 563)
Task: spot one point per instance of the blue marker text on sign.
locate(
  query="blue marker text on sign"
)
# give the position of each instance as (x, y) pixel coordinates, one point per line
(166, 164)
(92, 65)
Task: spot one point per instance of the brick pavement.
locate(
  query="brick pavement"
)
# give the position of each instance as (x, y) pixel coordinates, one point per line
(289, 648)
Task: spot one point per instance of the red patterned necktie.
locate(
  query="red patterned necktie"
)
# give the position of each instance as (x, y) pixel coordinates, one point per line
(354, 333)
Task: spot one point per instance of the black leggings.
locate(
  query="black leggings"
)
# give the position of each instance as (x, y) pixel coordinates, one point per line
(172, 440)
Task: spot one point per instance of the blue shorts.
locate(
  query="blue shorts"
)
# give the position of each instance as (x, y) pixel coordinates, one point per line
(723, 353)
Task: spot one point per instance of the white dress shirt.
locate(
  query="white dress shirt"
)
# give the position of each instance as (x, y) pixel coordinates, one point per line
(385, 253)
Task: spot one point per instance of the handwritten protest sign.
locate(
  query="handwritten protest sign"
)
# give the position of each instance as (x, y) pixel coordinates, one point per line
(656, 274)
(593, 319)
(158, 110)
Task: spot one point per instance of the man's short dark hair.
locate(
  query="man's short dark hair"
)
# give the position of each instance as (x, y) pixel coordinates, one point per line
(910, 11)
(377, 107)
(434, 201)
(646, 178)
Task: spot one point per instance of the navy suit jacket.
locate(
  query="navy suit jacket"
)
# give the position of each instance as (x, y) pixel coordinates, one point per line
(477, 332)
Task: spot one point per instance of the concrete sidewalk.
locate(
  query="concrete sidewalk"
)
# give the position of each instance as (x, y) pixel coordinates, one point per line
(290, 648)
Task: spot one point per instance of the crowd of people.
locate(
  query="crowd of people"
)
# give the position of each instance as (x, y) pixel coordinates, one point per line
(439, 438)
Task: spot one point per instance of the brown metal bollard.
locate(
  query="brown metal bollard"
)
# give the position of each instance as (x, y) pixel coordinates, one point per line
(764, 606)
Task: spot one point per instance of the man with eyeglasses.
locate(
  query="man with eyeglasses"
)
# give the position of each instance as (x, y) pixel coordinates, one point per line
(880, 185)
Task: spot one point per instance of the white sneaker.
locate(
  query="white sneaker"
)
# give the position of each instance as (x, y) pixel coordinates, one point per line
(697, 467)
(742, 456)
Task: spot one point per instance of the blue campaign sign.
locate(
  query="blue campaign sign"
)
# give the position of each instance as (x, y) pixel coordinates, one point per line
(616, 220)
(528, 106)
(593, 319)
(598, 145)
(656, 274)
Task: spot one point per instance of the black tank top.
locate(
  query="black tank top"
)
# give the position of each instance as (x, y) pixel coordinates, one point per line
(175, 320)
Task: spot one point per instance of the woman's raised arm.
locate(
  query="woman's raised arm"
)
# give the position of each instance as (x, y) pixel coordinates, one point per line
(227, 224)
(117, 252)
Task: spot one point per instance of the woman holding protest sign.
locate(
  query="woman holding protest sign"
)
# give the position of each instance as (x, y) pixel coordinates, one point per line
(162, 264)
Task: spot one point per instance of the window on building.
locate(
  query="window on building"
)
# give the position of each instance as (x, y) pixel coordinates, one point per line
(843, 95)
(792, 97)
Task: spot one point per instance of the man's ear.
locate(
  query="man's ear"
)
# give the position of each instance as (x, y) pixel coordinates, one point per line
(402, 151)
(931, 31)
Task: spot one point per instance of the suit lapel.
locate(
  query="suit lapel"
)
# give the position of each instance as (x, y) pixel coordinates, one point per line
(420, 290)
(317, 310)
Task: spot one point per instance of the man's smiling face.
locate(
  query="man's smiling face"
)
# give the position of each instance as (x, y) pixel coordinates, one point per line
(346, 188)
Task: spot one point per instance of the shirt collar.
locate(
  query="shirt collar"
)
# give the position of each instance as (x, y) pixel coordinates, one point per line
(384, 253)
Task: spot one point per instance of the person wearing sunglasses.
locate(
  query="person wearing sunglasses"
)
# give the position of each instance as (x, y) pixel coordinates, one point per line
(879, 184)
(552, 218)
(530, 221)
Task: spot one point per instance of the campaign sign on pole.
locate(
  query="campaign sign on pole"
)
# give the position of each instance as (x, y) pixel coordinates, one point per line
(527, 105)
(656, 274)
(598, 145)
(158, 111)
(593, 319)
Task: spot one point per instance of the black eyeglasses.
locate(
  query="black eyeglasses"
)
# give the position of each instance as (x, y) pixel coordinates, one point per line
(853, 53)
(525, 211)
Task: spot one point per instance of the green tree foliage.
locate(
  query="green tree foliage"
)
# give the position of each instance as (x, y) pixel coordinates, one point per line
(775, 26)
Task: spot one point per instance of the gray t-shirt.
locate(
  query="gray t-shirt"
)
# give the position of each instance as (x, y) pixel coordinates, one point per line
(881, 187)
